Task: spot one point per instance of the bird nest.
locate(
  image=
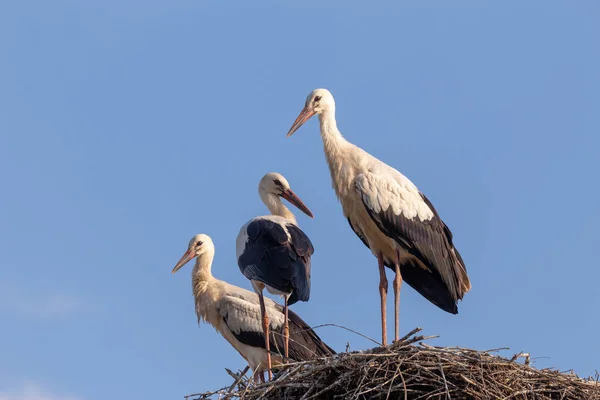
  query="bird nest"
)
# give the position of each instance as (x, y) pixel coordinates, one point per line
(411, 369)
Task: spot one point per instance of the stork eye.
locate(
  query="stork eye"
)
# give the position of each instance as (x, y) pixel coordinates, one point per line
(277, 182)
(199, 244)
(318, 98)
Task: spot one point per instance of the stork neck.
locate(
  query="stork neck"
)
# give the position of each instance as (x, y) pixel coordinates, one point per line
(334, 145)
(202, 274)
(329, 125)
(276, 206)
(332, 137)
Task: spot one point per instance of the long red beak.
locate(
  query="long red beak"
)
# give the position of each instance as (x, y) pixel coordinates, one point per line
(304, 116)
(295, 200)
(187, 256)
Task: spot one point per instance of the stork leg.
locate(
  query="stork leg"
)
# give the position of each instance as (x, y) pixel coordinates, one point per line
(397, 286)
(261, 376)
(265, 324)
(286, 328)
(383, 287)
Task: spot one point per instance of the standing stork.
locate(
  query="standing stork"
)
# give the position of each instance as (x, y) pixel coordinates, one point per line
(236, 314)
(391, 217)
(274, 253)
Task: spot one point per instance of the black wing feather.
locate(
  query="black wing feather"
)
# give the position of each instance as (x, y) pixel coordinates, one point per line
(303, 250)
(276, 260)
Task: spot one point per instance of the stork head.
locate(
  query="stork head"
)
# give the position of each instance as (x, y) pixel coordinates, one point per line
(274, 184)
(199, 245)
(317, 102)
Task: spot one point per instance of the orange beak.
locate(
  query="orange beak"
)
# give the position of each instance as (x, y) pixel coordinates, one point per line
(295, 200)
(187, 256)
(304, 116)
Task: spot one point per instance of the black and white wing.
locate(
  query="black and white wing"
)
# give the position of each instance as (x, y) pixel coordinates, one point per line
(241, 313)
(276, 252)
(436, 269)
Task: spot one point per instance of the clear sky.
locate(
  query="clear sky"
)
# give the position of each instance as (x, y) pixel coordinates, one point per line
(126, 127)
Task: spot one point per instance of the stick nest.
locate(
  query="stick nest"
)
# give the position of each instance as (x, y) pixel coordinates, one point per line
(411, 369)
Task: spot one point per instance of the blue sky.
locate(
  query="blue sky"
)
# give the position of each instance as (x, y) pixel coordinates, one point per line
(126, 127)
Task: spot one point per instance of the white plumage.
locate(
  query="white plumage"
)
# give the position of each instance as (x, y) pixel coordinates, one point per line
(389, 214)
(381, 191)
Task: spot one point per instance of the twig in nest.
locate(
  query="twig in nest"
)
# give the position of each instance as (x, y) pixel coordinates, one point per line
(238, 378)
(521, 354)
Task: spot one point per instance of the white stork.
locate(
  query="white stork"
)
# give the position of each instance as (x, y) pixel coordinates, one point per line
(235, 313)
(391, 217)
(273, 252)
